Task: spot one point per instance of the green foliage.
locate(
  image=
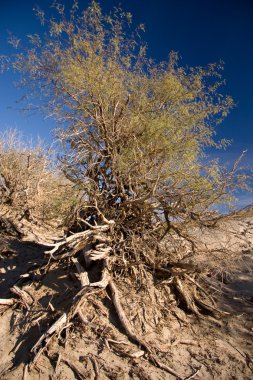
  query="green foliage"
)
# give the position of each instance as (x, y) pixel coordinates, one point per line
(133, 131)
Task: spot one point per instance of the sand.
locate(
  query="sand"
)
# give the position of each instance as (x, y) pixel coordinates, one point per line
(216, 348)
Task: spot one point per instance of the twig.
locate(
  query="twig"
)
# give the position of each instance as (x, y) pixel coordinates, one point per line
(117, 341)
(166, 368)
(194, 374)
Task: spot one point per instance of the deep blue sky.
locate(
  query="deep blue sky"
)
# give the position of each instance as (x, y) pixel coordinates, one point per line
(202, 31)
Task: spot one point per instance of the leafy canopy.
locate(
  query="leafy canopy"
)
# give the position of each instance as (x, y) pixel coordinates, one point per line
(133, 131)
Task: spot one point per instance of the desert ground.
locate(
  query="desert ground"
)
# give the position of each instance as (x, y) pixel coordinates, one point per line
(201, 347)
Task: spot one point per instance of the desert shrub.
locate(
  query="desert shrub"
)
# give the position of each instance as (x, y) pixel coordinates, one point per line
(30, 182)
(134, 135)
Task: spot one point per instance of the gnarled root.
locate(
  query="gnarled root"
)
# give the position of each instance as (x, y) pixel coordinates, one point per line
(130, 333)
(93, 244)
(44, 340)
(77, 242)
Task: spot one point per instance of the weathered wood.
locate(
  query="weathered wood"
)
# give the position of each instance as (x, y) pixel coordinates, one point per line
(75, 243)
(83, 275)
(7, 301)
(44, 340)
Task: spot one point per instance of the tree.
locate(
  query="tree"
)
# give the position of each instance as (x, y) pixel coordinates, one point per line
(134, 135)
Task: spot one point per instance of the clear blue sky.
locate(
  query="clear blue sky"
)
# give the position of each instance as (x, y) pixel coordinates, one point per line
(202, 31)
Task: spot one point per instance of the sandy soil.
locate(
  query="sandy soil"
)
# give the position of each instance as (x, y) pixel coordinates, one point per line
(217, 348)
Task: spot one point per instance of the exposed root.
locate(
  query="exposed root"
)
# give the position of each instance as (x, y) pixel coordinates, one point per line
(122, 317)
(130, 333)
(82, 273)
(44, 340)
(211, 309)
(186, 296)
(63, 322)
(77, 371)
(201, 288)
(94, 245)
(25, 372)
(95, 367)
(76, 242)
(25, 298)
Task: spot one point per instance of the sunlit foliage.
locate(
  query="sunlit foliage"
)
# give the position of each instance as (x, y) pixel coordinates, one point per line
(134, 132)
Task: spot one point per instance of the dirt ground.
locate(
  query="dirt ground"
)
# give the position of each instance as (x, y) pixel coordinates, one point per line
(213, 348)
